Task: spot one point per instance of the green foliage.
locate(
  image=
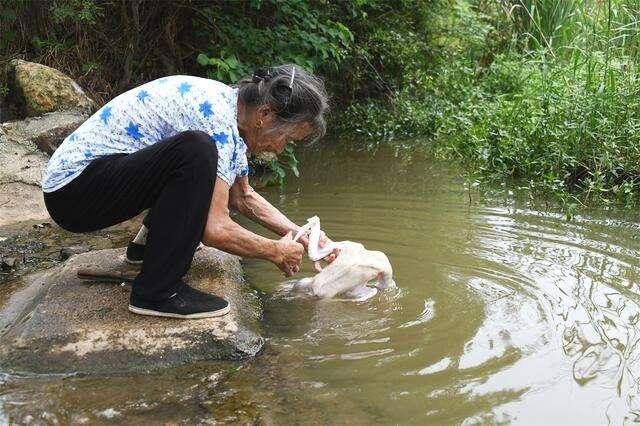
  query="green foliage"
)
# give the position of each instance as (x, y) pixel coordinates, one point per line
(271, 32)
(225, 68)
(558, 118)
(80, 11)
(285, 161)
(544, 24)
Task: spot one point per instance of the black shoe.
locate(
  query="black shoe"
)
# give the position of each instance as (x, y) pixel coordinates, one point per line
(135, 253)
(187, 303)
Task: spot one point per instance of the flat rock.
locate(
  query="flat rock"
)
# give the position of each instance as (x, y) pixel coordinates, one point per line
(38, 89)
(60, 324)
(45, 132)
(20, 202)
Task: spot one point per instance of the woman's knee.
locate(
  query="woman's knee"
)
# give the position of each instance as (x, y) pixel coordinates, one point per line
(198, 142)
(197, 152)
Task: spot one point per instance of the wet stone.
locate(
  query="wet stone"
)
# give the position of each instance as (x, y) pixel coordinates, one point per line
(61, 324)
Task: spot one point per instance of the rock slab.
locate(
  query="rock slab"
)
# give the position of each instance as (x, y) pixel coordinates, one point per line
(65, 325)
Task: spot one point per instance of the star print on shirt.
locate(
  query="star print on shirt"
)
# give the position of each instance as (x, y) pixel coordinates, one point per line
(184, 88)
(105, 114)
(133, 130)
(142, 95)
(221, 138)
(205, 109)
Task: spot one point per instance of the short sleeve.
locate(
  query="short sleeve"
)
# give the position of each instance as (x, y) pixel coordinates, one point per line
(226, 151)
(242, 164)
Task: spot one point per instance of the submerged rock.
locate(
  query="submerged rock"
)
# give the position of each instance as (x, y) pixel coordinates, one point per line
(38, 89)
(60, 324)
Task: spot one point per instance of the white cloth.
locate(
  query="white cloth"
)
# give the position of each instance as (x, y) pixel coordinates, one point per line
(312, 228)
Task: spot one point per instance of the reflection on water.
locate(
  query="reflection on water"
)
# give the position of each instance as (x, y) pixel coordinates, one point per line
(503, 315)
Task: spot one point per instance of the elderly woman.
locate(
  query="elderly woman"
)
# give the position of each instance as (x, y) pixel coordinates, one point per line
(178, 146)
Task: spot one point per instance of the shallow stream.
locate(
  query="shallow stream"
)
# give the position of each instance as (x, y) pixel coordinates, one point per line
(504, 314)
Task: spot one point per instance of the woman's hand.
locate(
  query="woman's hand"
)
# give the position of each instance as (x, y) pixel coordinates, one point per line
(289, 255)
(324, 240)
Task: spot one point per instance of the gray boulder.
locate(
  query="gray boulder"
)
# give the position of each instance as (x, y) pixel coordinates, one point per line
(37, 89)
(60, 324)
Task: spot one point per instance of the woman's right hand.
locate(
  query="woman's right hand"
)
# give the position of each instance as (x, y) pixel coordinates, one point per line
(289, 255)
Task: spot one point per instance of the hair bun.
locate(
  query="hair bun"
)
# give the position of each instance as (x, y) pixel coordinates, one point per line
(261, 74)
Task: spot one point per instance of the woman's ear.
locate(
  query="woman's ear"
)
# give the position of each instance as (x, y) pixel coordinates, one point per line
(266, 114)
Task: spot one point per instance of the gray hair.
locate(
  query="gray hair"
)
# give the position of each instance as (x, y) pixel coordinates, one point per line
(295, 95)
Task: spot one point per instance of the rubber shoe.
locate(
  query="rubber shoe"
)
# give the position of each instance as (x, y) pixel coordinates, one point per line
(187, 303)
(135, 253)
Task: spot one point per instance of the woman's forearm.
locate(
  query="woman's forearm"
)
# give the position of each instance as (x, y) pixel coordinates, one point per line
(228, 236)
(255, 207)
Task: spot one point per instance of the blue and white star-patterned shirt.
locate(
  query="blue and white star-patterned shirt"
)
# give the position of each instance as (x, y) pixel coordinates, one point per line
(147, 114)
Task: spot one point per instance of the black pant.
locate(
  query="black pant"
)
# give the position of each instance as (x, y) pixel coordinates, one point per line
(174, 177)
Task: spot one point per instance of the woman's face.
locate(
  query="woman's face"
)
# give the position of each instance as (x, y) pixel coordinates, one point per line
(275, 140)
(261, 134)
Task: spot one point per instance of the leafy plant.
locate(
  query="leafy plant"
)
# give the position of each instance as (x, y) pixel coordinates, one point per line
(285, 161)
(75, 10)
(293, 32)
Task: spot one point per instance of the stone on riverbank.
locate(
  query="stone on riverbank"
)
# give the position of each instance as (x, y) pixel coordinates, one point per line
(60, 324)
(24, 144)
(38, 89)
(21, 166)
(45, 132)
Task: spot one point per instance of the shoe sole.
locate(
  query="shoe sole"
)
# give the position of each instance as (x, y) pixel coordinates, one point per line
(200, 315)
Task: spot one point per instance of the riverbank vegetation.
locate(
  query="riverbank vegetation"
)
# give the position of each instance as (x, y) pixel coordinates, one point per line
(544, 92)
(540, 91)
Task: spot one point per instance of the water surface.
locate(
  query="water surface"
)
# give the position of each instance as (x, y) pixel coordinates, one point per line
(504, 314)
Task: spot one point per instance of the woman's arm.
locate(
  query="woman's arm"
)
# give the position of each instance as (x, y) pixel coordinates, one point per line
(252, 205)
(223, 233)
(245, 200)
